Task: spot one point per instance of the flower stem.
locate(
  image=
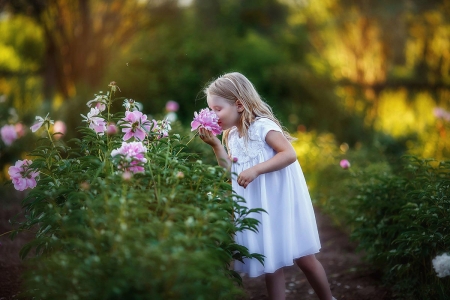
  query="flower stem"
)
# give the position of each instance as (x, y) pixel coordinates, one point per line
(47, 124)
(188, 142)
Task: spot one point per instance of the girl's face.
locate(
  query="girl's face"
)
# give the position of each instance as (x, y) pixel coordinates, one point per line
(228, 113)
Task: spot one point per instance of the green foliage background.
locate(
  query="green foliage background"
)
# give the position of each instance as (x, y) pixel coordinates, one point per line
(354, 80)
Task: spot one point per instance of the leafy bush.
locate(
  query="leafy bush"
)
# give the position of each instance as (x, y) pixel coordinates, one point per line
(156, 227)
(402, 221)
(335, 194)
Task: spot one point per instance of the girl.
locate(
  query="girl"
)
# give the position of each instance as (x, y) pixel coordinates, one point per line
(270, 177)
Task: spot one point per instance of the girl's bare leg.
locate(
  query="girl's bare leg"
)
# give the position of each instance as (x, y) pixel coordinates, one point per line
(275, 285)
(316, 276)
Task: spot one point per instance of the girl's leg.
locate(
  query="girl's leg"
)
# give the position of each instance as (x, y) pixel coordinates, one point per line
(316, 276)
(275, 285)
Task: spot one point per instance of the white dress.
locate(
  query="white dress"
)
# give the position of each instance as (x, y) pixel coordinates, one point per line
(288, 230)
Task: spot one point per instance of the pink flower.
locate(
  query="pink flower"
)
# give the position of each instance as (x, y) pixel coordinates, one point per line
(8, 134)
(60, 127)
(112, 129)
(345, 164)
(206, 119)
(127, 176)
(133, 156)
(40, 122)
(98, 102)
(20, 129)
(235, 159)
(22, 176)
(441, 113)
(180, 175)
(172, 106)
(96, 123)
(136, 125)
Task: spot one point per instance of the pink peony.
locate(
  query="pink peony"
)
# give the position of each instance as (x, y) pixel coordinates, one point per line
(22, 176)
(136, 125)
(133, 156)
(96, 122)
(206, 119)
(20, 129)
(112, 129)
(127, 176)
(172, 106)
(8, 134)
(345, 164)
(60, 127)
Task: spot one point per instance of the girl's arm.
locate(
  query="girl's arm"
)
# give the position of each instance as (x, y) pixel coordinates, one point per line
(284, 157)
(219, 150)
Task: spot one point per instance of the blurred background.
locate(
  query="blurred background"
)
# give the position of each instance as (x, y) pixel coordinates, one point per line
(367, 76)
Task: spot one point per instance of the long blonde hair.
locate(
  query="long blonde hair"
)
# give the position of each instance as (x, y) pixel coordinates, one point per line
(235, 86)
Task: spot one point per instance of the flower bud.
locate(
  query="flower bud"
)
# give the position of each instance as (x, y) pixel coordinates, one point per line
(345, 164)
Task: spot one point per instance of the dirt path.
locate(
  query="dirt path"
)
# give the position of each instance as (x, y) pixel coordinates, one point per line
(349, 277)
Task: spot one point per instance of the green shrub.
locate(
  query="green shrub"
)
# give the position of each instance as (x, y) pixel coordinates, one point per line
(402, 221)
(101, 233)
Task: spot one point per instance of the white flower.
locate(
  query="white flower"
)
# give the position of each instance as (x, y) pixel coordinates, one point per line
(441, 265)
(130, 104)
(41, 122)
(99, 102)
(96, 123)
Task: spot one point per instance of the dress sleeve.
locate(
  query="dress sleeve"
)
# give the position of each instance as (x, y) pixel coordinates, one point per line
(267, 125)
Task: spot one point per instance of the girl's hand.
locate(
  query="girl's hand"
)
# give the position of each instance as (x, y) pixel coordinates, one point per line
(247, 176)
(207, 136)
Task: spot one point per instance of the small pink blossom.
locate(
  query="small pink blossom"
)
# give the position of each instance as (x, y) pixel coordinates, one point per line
(112, 129)
(345, 164)
(235, 159)
(22, 176)
(136, 125)
(41, 121)
(127, 176)
(133, 156)
(99, 102)
(441, 113)
(96, 122)
(180, 175)
(206, 119)
(60, 127)
(20, 129)
(172, 106)
(8, 134)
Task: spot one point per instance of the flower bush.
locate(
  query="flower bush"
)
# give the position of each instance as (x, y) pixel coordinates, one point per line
(128, 219)
(402, 222)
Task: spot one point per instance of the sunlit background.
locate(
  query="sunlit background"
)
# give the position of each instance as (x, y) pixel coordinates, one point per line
(342, 76)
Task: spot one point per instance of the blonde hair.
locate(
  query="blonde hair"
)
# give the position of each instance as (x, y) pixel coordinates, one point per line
(235, 86)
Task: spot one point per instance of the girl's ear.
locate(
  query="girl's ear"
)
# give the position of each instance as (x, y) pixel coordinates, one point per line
(239, 105)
